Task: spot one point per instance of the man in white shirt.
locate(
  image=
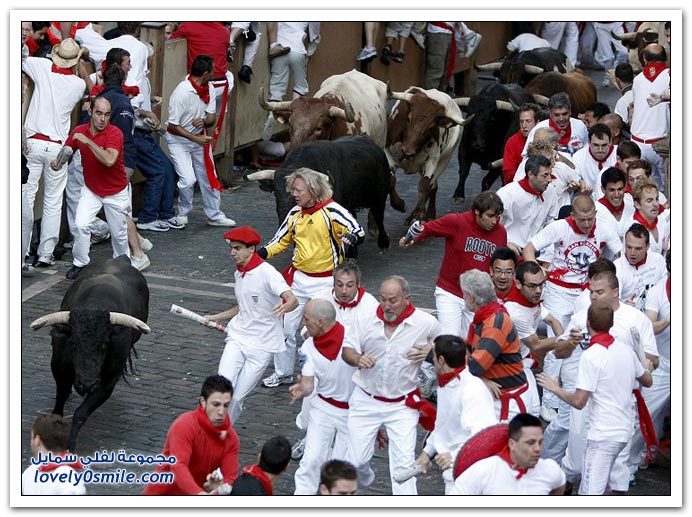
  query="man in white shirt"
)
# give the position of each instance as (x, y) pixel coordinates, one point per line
(608, 369)
(387, 347)
(572, 132)
(256, 331)
(624, 75)
(638, 269)
(49, 435)
(614, 208)
(464, 407)
(329, 409)
(191, 110)
(517, 469)
(597, 156)
(651, 214)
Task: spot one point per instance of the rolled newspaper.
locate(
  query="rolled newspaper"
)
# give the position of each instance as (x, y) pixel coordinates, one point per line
(404, 475)
(64, 156)
(184, 313)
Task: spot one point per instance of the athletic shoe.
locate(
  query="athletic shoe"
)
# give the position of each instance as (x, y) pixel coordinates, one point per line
(153, 226)
(97, 239)
(419, 38)
(472, 44)
(221, 222)
(398, 57)
(366, 53)
(274, 380)
(633, 480)
(182, 219)
(298, 450)
(73, 272)
(44, 262)
(174, 223)
(140, 263)
(606, 80)
(548, 414)
(145, 244)
(245, 74)
(386, 53)
(643, 465)
(278, 50)
(268, 129)
(28, 270)
(425, 383)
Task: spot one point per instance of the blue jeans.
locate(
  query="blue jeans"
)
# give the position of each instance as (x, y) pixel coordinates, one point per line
(160, 174)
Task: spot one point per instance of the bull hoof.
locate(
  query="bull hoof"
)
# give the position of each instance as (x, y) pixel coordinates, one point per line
(457, 200)
(383, 242)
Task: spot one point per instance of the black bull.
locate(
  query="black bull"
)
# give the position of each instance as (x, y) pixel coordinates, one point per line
(358, 171)
(102, 315)
(484, 137)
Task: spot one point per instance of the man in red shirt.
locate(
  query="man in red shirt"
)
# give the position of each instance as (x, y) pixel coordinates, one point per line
(201, 442)
(105, 183)
(470, 240)
(528, 118)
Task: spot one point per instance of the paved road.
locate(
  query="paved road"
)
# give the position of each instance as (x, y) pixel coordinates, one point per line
(192, 268)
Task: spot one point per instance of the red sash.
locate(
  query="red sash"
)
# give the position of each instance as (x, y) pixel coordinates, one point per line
(509, 394)
(646, 425)
(427, 413)
(219, 122)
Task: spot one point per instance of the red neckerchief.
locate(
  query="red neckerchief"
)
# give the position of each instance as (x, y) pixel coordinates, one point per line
(407, 312)
(573, 225)
(354, 303)
(255, 261)
(444, 378)
(220, 433)
(62, 71)
(514, 295)
(77, 465)
(259, 474)
(202, 91)
(316, 207)
(32, 46)
(652, 70)
(564, 135)
(603, 338)
(505, 455)
(641, 262)
(482, 314)
(668, 287)
(524, 183)
(611, 208)
(601, 162)
(640, 219)
(329, 343)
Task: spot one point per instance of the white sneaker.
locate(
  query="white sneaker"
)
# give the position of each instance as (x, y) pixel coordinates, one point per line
(174, 223)
(145, 244)
(298, 450)
(548, 414)
(221, 222)
(472, 44)
(366, 53)
(274, 380)
(141, 263)
(181, 219)
(154, 226)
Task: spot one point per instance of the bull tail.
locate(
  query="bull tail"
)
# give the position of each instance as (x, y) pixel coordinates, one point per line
(129, 368)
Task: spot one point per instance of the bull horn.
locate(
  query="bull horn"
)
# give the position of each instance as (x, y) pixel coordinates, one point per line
(55, 318)
(341, 113)
(630, 36)
(540, 99)
(118, 318)
(401, 96)
(532, 69)
(462, 101)
(266, 174)
(496, 164)
(273, 105)
(457, 118)
(505, 106)
(489, 67)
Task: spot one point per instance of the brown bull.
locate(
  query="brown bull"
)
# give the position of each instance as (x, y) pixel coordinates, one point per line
(581, 89)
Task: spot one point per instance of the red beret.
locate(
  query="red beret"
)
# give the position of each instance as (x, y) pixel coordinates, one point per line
(243, 234)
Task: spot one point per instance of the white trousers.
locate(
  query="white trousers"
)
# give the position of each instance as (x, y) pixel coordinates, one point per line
(297, 64)
(599, 458)
(328, 424)
(563, 36)
(609, 51)
(188, 160)
(452, 313)
(38, 162)
(304, 288)
(116, 208)
(658, 166)
(243, 365)
(533, 401)
(73, 191)
(27, 224)
(365, 416)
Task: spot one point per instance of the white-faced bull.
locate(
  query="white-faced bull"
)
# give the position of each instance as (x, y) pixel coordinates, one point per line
(102, 315)
(424, 127)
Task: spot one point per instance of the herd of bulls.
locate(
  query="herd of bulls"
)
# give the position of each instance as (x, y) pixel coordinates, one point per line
(347, 132)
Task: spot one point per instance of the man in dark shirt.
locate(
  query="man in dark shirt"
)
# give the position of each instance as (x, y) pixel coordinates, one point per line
(259, 479)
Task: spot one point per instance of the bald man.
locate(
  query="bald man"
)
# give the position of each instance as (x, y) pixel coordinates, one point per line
(576, 242)
(651, 124)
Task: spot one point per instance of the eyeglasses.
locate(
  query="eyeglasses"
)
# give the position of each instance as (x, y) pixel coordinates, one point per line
(534, 286)
(503, 272)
